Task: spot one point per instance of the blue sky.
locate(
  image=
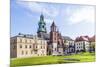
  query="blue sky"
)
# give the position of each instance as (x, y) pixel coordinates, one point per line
(72, 20)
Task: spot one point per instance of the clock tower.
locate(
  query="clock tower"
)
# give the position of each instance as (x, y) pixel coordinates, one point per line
(41, 27)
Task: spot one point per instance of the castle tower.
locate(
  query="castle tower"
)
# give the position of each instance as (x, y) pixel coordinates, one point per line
(42, 27)
(53, 33)
(54, 38)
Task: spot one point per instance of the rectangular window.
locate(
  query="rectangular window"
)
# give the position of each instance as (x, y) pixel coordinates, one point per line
(14, 41)
(69, 43)
(41, 47)
(20, 46)
(31, 52)
(20, 40)
(36, 46)
(30, 46)
(25, 41)
(55, 38)
(35, 52)
(55, 49)
(26, 52)
(22, 52)
(33, 45)
(14, 47)
(81, 46)
(25, 46)
(30, 41)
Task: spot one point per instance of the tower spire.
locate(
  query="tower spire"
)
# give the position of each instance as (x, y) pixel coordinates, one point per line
(41, 17)
(53, 26)
(41, 26)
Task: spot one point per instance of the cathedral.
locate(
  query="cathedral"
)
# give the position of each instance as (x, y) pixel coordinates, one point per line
(55, 41)
(44, 43)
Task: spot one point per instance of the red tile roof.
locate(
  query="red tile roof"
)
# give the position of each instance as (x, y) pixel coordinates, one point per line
(92, 39)
(85, 38)
(82, 38)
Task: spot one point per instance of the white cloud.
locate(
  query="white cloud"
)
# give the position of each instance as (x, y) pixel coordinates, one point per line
(39, 8)
(86, 14)
(72, 15)
(48, 21)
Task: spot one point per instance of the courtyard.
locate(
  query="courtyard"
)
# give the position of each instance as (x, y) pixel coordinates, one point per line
(44, 60)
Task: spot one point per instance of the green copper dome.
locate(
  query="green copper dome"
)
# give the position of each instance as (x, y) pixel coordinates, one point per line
(42, 24)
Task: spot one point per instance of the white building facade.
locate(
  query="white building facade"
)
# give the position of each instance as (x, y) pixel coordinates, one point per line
(22, 46)
(81, 46)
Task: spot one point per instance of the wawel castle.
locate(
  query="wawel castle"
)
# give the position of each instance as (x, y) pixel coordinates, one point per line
(43, 44)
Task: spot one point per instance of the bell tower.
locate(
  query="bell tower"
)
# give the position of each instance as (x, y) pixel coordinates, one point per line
(53, 33)
(54, 39)
(41, 27)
